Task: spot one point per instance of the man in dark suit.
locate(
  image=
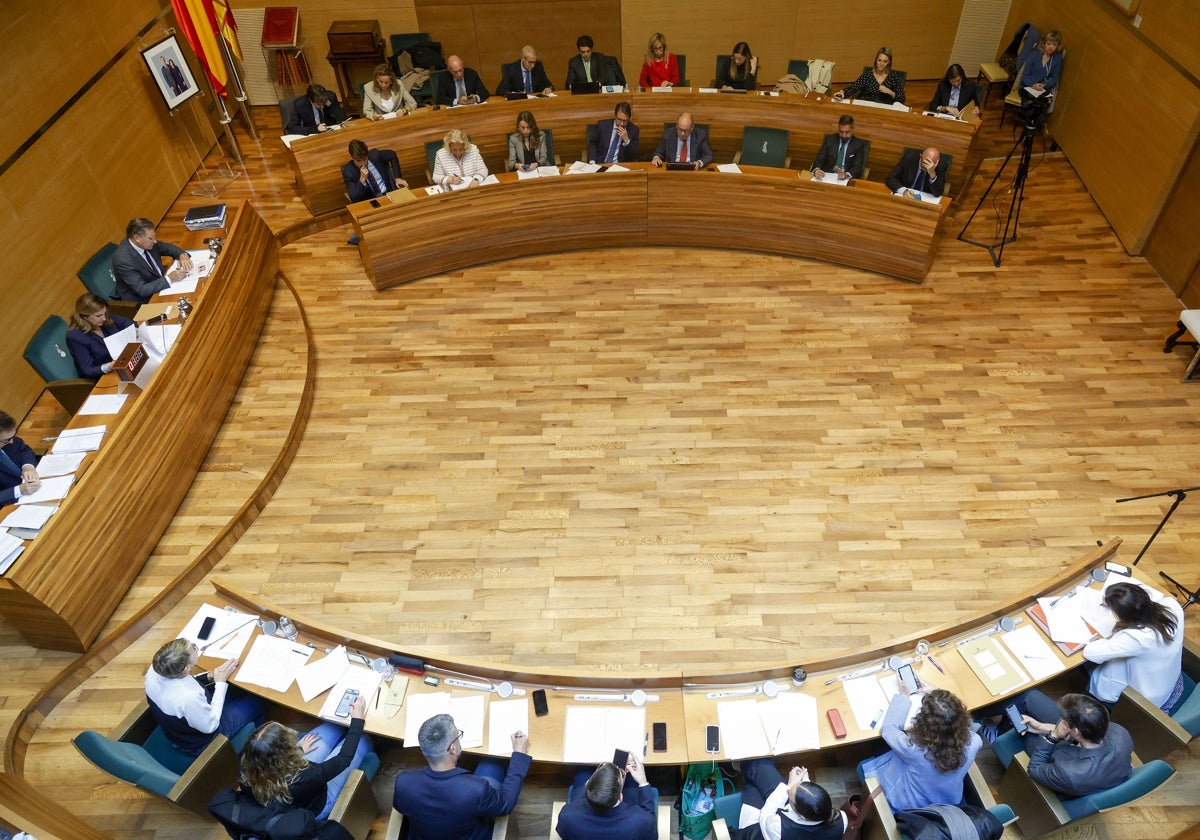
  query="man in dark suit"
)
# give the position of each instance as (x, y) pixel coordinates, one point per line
(137, 263)
(923, 172)
(684, 144)
(615, 140)
(315, 112)
(371, 172)
(842, 153)
(18, 463)
(591, 66)
(527, 75)
(614, 804)
(460, 85)
(443, 800)
(1082, 752)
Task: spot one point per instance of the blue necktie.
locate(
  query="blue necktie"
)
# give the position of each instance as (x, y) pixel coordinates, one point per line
(611, 157)
(528, 82)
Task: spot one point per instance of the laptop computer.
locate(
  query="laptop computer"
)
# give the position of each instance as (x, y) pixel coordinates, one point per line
(676, 166)
(585, 87)
(516, 94)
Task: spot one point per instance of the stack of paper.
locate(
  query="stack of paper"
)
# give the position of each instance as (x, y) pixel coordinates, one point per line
(467, 712)
(85, 439)
(103, 404)
(25, 521)
(784, 724)
(10, 550)
(65, 464)
(273, 663)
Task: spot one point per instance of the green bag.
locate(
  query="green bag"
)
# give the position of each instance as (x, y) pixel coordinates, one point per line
(702, 786)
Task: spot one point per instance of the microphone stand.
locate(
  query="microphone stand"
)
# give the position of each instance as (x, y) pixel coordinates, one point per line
(1179, 494)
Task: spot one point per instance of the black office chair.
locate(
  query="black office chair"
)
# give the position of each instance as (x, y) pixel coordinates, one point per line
(47, 353)
(683, 79)
(722, 67)
(285, 114)
(98, 278)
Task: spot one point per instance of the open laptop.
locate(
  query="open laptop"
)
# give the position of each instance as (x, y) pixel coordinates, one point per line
(676, 166)
(585, 87)
(516, 94)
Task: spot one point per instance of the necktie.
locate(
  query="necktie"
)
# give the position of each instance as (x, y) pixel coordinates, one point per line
(157, 269)
(373, 181)
(587, 70)
(462, 90)
(320, 115)
(919, 181)
(528, 82)
(683, 150)
(841, 161)
(611, 157)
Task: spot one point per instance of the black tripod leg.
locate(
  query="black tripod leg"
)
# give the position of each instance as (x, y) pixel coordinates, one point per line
(1192, 597)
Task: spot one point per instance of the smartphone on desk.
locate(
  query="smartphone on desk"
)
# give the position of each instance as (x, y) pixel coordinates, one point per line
(659, 736)
(343, 708)
(712, 739)
(539, 703)
(206, 628)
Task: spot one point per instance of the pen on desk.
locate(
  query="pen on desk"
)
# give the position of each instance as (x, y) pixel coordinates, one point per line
(645, 744)
(878, 715)
(935, 665)
(775, 743)
(378, 691)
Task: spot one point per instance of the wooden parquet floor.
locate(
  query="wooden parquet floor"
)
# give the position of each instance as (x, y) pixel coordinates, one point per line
(648, 458)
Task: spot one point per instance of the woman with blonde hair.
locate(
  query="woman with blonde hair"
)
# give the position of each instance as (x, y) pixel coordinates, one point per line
(1042, 69)
(661, 68)
(879, 83)
(385, 95)
(307, 772)
(458, 161)
(91, 323)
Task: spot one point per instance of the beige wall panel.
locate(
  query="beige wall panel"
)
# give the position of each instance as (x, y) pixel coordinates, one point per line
(70, 40)
(1103, 118)
(1173, 248)
(316, 16)
(1172, 25)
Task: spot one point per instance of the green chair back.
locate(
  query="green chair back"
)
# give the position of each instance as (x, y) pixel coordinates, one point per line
(128, 762)
(1142, 781)
(47, 351)
(97, 274)
(799, 67)
(764, 146)
(548, 133)
(431, 149)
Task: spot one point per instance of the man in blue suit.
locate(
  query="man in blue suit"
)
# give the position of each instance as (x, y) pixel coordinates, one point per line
(18, 464)
(524, 76)
(684, 144)
(603, 149)
(614, 804)
(443, 801)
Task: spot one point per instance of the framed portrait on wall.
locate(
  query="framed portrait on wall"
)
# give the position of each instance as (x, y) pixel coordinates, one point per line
(171, 72)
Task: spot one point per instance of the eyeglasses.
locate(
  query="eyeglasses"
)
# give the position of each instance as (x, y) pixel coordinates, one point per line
(6, 441)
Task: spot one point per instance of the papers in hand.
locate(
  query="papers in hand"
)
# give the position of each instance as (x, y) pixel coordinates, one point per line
(52, 490)
(86, 439)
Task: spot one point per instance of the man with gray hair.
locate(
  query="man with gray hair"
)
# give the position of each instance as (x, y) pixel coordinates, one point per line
(526, 76)
(444, 801)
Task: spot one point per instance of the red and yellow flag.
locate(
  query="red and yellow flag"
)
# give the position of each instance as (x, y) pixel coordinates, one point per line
(202, 23)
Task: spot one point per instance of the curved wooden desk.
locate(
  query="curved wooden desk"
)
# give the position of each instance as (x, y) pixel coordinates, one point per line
(683, 702)
(63, 589)
(778, 212)
(317, 160)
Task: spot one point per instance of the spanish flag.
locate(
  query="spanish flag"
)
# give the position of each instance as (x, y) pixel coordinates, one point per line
(202, 23)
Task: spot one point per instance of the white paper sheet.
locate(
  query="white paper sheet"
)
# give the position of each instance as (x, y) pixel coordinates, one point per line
(273, 663)
(592, 733)
(867, 700)
(52, 490)
(468, 711)
(157, 339)
(323, 674)
(103, 404)
(65, 464)
(616, 167)
(1031, 650)
(361, 679)
(489, 180)
(729, 167)
(526, 174)
(504, 718)
(85, 439)
(1065, 620)
(580, 167)
(224, 621)
(419, 708)
(742, 734)
(116, 342)
(10, 550)
(29, 517)
(831, 178)
(791, 722)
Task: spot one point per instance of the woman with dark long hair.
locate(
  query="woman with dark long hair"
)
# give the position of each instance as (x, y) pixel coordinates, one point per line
(927, 762)
(1145, 650)
(741, 73)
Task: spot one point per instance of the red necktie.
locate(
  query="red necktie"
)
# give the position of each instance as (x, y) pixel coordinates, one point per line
(683, 151)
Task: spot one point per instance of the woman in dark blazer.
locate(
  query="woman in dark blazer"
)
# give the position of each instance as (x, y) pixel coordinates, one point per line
(955, 94)
(90, 325)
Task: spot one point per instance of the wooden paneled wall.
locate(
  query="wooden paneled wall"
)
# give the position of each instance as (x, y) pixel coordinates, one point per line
(116, 153)
(1172, 26)
(1127, 116)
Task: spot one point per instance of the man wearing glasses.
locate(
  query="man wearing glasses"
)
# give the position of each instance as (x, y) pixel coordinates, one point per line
(18, 464)
(445, 801)
(615, 140)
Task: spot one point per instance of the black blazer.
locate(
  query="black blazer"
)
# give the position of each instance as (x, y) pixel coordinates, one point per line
(698, 148)
(906, 171)
(856, 155)
(302, 121)
(969, 93)
(18, 455)
(385, 161)
(471, 80)
(513, 81)
(88, 348)
(604, 68)
(602, 138)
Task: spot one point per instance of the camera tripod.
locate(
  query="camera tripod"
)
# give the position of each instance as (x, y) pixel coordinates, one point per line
(996, 249)
(1180, 494)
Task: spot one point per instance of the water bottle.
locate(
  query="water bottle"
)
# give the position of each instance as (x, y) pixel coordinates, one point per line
(287, 630)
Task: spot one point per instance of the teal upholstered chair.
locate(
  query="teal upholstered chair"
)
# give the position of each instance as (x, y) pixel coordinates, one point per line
(1155, 733)
(47, 353)
(764, 147)
(98, 278)
(881, 819)
(1042, 811)
(798, 67)
(432, 147)
(138, 752)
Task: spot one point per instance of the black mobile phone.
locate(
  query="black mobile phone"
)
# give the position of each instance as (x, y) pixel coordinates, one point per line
(206, 628)
(343, 708)
(374, 202)
(908, 679)
(539, 703)
(659, 736)
(621, 758)
(1015, 717)
(712, 739)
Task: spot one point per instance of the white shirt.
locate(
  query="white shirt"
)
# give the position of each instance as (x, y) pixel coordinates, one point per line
(1138, 658)
(770, 820)
(184, 697)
